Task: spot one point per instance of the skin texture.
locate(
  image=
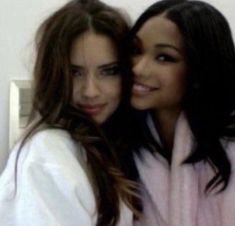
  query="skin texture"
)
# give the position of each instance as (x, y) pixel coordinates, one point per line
(97, 80)
(160, 70)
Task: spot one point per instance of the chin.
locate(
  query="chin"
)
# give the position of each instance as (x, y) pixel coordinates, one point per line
(99, 120)
(139, 105)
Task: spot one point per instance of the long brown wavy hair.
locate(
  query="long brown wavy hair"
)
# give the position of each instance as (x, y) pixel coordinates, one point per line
(105, 145)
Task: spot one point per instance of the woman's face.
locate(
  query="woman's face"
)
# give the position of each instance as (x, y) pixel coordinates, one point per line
(97, 79)
(159, 66)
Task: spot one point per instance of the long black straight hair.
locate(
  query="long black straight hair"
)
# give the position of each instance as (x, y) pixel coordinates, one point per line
(209, 102)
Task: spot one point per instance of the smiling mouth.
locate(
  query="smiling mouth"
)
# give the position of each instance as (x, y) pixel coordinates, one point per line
(93, 109)
(141, 89)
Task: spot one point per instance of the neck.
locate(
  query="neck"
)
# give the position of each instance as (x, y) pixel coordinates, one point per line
(165, 122)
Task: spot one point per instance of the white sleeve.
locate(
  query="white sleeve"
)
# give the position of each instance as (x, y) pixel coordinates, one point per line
(52, 189)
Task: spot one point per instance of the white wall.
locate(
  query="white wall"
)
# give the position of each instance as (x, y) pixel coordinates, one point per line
(18, 22)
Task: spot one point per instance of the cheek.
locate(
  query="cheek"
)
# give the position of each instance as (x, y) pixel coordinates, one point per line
(181, 81)
(76, 90)
(134, 63)
(178, 86)
(113, 89)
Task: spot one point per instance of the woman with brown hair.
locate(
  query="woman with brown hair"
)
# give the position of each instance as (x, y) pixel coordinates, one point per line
(68, 168)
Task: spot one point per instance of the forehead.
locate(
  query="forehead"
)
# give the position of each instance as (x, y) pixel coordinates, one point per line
(92, 48)
(159, 29)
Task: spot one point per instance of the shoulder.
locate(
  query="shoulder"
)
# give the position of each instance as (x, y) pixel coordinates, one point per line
(51, 151)
(51, 146)
(48, 161)
(51, 138)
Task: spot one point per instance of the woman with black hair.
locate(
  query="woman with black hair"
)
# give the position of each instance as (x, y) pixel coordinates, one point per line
(184, 84)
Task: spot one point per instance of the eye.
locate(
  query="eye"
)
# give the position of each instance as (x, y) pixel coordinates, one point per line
(76, 71)
(110, 71)
(165, 58)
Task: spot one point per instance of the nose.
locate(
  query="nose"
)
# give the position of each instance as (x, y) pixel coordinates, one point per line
(141, 66)
(90, 88)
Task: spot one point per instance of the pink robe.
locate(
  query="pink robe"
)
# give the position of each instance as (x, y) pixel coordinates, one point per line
(174, 195)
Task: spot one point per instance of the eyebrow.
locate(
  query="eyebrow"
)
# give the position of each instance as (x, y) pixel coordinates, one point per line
(103, 66)
(158, 45)
(164, 45)
(76, 67)
(112, 64)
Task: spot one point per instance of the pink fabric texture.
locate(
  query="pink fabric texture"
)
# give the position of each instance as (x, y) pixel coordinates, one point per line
(174, 195)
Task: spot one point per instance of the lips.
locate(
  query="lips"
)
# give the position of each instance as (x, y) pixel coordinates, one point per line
(142, 89)
(93, 109)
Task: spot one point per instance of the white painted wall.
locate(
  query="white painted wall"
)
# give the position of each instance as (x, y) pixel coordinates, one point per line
(18, 22)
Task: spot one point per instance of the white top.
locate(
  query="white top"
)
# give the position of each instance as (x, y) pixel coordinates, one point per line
(53, 186)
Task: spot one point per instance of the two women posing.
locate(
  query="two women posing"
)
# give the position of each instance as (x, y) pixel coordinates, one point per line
(89, 159)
